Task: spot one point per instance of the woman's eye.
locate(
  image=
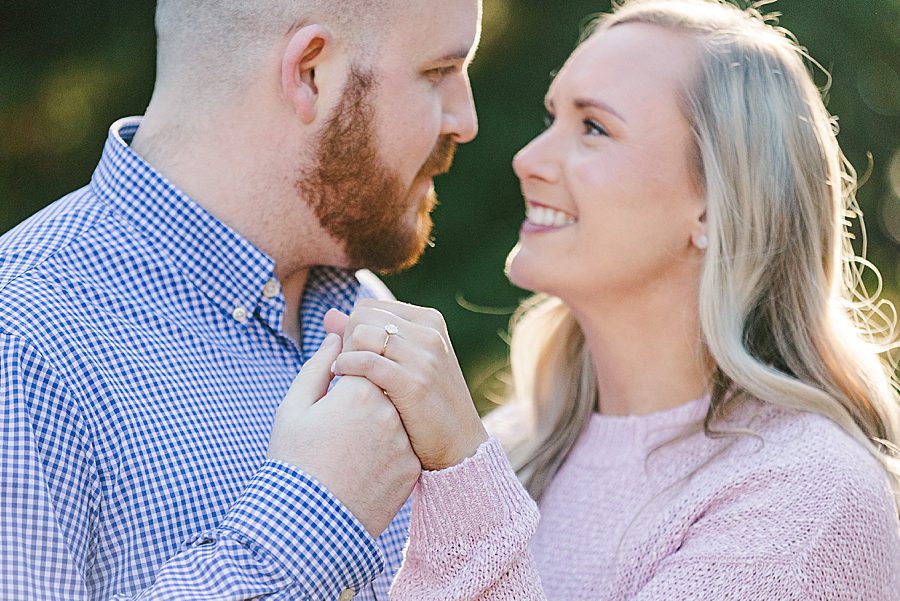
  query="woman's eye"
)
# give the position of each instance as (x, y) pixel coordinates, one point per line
(592, 128)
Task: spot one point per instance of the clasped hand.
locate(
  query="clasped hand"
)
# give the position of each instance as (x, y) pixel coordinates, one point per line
(417, 370)
(399, 408)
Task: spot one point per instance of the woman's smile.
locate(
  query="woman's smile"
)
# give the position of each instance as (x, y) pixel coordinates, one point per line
(542, 218)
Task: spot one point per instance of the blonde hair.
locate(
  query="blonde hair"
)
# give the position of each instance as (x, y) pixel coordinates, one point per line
(783, 310)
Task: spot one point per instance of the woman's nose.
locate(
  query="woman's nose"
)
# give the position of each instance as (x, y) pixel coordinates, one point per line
(537, 160)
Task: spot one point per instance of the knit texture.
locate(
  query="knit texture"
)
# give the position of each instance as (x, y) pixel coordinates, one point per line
(801, 511)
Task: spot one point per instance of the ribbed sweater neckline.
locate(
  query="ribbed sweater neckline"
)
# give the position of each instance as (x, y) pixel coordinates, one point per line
(615, 439)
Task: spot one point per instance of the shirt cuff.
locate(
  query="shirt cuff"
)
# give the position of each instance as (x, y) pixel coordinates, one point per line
(480, 495)
(288, 515)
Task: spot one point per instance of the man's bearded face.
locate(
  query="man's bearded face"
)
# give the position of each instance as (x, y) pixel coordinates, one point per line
(357, 198)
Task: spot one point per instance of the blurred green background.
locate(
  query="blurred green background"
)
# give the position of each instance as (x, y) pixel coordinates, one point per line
(68, 70)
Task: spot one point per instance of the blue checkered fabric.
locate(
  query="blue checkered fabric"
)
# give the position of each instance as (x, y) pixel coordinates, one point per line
(141, 364)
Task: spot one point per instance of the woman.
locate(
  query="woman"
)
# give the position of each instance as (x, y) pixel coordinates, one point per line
(698, 408)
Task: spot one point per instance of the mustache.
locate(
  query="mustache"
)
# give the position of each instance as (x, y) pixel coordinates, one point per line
(441, 158)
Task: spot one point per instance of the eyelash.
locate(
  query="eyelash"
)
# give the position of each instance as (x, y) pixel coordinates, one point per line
(438, 75)
(595, 127)
(591, 126)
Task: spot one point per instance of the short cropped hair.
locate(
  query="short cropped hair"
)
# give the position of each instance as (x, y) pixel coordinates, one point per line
(216, 46)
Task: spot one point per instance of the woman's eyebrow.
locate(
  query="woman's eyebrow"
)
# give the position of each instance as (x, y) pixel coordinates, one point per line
(583, 103)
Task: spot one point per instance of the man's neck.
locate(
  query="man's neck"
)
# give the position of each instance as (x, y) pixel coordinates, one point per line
(292, 287)
(213, 169)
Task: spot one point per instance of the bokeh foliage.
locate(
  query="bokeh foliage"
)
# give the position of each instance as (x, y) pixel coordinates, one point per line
(68, 70)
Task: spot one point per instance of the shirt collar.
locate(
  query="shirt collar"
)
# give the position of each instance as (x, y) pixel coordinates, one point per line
(326, 288)
(227, 268)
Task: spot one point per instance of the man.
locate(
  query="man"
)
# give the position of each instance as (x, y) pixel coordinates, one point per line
(151, 322)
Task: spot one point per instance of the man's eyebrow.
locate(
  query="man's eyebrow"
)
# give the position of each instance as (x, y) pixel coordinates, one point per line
(458, 55)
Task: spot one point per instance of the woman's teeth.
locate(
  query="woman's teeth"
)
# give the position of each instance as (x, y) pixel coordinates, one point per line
(547, 217)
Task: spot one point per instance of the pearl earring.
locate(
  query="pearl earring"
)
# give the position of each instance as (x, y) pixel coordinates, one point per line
(701, 242)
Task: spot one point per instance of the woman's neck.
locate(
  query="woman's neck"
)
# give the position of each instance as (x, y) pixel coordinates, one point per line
(647, 354)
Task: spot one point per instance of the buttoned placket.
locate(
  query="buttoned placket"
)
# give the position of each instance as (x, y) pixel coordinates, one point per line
(216, 288)
(268, 312)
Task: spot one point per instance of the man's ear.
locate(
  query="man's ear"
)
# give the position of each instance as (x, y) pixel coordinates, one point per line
(305, 50)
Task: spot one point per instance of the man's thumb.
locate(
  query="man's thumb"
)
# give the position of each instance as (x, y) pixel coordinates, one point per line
(335, 322)
(312, 382)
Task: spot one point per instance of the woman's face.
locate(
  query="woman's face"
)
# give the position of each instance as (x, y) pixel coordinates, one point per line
(611, 199)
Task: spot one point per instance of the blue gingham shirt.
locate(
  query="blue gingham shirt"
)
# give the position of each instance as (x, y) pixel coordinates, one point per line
(141, 364)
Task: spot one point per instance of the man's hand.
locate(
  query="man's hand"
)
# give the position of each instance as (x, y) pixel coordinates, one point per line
(418, 372)
(350, 439)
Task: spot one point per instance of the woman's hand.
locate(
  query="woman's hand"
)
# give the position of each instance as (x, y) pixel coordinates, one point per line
(418, 371)
(350, 439)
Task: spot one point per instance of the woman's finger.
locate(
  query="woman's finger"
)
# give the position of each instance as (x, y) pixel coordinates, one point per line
(425, 316)
(380, 371)
(377, 339)
(376, 330)
(375, 317)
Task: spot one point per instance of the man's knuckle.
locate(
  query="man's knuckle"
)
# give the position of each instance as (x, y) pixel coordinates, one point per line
(411, 464)
(385, 413)
(399, 446)
(375, 397)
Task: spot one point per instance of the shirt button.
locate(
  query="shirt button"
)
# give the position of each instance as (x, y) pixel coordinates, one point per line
(271, 289)
(239, 314)
(347, 594)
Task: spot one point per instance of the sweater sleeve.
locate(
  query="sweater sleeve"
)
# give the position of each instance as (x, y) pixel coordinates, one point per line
(469, 534)
(797, 528)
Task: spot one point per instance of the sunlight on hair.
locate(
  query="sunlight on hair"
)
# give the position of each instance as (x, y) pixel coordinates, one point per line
(792, 314)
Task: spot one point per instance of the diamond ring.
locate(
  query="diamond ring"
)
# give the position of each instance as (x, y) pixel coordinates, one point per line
(391, 330)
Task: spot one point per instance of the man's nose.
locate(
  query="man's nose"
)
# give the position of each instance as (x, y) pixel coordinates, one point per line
(460, 116)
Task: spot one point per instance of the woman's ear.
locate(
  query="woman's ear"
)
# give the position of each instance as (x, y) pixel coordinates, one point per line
(304, 52)
(700, 233)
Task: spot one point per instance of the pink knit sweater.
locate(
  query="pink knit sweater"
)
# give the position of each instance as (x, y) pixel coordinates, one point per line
(800, 512)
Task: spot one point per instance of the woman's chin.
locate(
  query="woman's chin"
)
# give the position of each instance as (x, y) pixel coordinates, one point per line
(520, 270)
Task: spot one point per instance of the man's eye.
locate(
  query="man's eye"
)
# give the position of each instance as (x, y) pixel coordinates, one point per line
(438, 75)
(592, 128)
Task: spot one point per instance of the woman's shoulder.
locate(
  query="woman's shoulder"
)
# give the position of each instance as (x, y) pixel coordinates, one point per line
(804, 447)
(801, 491)
(805, 462)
